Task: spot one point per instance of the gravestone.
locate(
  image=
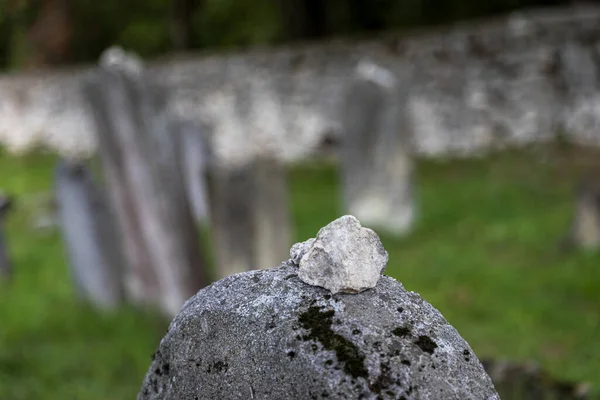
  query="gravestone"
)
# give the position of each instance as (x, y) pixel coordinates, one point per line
(194, 145)
(376, 168)
(270, 335)
(580, 81)
(142, 159)
(585, 229)
(5, 262)
(271, 212)
(231, 199)
(90, 236)
(250, 217)
(528, 381)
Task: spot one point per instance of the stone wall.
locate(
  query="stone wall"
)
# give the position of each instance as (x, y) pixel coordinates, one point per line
(507, 81)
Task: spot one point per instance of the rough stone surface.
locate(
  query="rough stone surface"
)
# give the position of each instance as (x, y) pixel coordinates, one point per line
(344, 257)
(266, 335)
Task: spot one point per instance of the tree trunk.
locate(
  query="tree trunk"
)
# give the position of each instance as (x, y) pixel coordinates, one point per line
(181, 26)
(303, 19)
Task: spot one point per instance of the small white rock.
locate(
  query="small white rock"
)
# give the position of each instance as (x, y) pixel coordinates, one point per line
(299, 249)
(344, 257)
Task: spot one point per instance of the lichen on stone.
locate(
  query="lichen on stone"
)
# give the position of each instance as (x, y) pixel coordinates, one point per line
(319, 324)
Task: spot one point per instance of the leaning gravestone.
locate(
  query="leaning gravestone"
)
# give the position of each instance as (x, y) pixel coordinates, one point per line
(141, 158)
(5, 263)
(281, 334)
(376, 169)
(90, 236)
(194, 150)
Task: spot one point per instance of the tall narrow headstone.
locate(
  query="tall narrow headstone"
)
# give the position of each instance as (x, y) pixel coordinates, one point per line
(89, 234)
(271, 212)
(376, 168)
(231, 199)
(585, 229)
(194, 145)
(141, 154)
(5, 261)
(250, 216)
(581, 86)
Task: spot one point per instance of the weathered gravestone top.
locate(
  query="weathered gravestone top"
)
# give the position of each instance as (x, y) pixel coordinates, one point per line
(268, 335)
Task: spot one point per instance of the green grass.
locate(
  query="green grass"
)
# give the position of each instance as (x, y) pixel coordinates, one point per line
(483, 253)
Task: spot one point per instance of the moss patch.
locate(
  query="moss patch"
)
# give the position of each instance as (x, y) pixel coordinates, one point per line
(383, 381)
(401, 331)
(426, 344)
(319, 324)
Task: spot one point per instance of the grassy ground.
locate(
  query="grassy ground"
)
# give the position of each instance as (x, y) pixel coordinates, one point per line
(484, 253)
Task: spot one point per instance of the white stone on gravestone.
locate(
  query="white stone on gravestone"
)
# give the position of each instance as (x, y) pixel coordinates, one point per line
(299, 249)
(310, 343)
(376, 166)
(344, 257)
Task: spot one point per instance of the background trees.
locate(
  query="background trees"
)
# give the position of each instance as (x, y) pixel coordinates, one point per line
(50, 32)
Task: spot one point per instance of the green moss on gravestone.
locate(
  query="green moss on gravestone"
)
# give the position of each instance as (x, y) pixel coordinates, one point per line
(401, 331)
(426, 344)
(319, 324)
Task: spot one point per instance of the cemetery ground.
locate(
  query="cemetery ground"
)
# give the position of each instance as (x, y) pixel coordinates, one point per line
(484, 253)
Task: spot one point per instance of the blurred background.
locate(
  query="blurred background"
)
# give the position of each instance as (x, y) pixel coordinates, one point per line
(497, 224)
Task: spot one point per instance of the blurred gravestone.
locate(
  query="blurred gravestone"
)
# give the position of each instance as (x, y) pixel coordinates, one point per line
(5, 263)
(581, 87)
(528, 381)
(585, 232)
(194, 147)
(89, 234)
(250, 216)
(231, 193)
(376, 169)
(141, 155)
(272, 214)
